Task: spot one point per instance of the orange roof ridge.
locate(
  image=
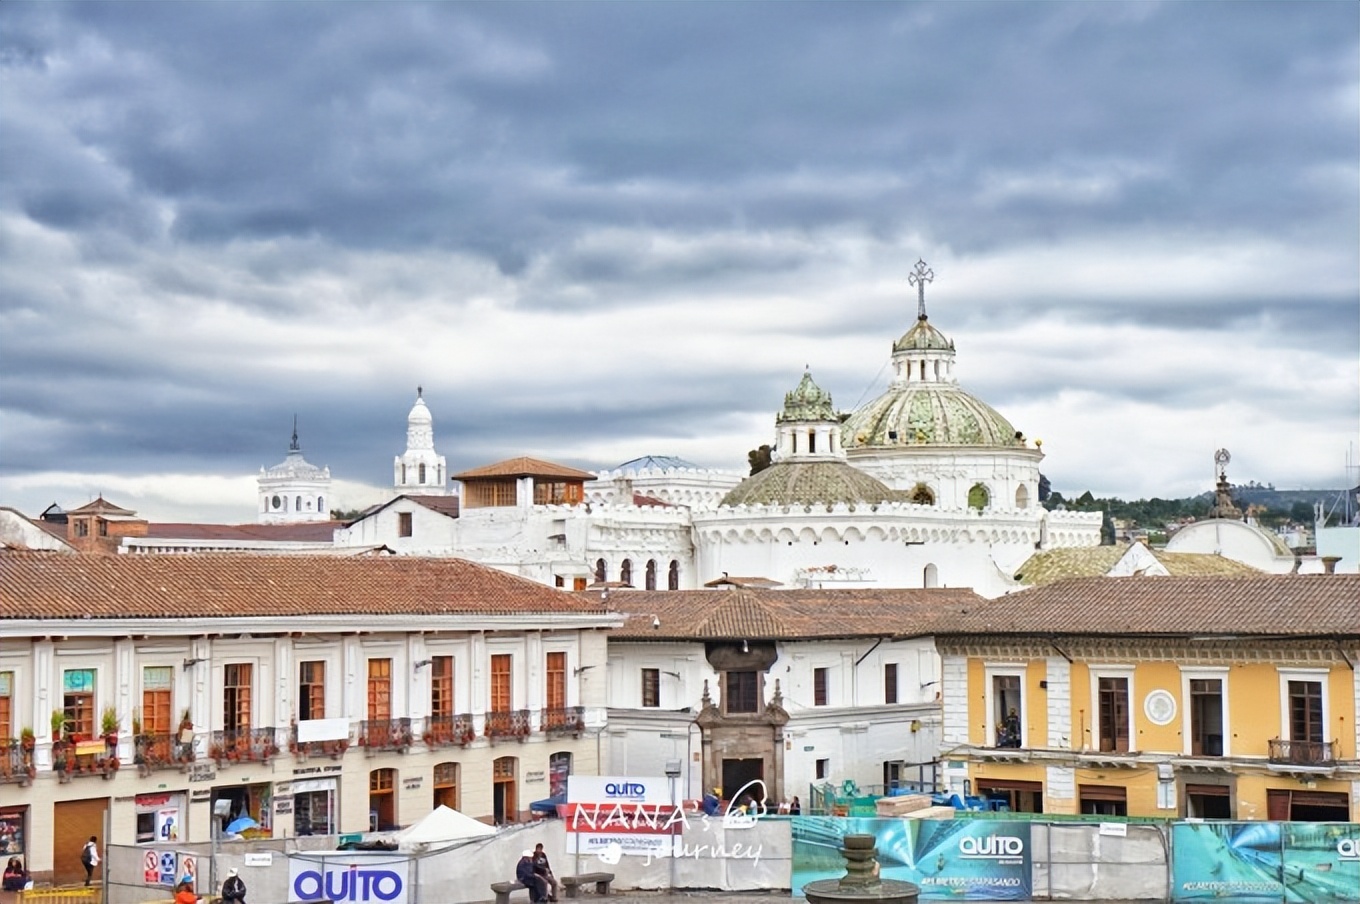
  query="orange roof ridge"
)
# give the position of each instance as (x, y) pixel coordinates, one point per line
(524, 466)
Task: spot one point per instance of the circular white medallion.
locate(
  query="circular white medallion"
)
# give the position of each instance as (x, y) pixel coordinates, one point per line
(1160, 707)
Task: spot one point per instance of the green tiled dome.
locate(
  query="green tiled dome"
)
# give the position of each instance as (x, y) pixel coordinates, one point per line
(923, 336)
(807, 402)
(936, 414)
(808, 483)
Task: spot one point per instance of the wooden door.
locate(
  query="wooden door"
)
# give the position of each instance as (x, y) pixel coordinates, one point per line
(78, 819)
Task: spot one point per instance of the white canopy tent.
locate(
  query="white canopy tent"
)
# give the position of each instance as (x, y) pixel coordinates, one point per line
(442, 826)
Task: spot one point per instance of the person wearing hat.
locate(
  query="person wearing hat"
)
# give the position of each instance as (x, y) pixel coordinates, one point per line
(712, 802)
(525, 875)
(234, 889)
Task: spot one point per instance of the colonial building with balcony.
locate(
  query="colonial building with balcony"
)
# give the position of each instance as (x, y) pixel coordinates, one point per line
(316, 695)
(1208, 697)
(794, 688)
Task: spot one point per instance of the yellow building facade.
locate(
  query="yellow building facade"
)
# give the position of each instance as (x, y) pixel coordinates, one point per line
(1217, 698)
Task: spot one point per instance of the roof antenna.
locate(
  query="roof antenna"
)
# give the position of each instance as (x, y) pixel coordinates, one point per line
(293, 446)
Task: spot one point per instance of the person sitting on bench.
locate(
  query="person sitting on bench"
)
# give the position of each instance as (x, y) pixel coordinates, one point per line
(525, 875)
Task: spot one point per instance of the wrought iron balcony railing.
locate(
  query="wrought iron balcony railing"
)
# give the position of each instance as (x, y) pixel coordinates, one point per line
(570, 720)
(76, 757)
(1302, 753)
(243, 745)
(385, 734)
(16, 761)
(447, 731)
(161, 751)
(507, 725)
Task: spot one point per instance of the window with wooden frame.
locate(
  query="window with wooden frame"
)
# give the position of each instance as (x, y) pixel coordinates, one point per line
(379, 689)
(651, 687)
(1206, 717)
(78, 701)
(741, 692)
(311, 690)
(555, 691)
(1305, 711)
(6, 705)
(441, 685)
(382, 799)
(502, 685)
(237, 682)
(820, 691)
(404, 527)
(889, 682)
(1113, 713)
(158, 682)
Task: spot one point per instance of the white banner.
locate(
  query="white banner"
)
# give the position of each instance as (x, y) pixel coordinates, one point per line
(609, 789)
(349, 876)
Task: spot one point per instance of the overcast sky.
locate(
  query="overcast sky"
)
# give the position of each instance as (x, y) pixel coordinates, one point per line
(598, 231)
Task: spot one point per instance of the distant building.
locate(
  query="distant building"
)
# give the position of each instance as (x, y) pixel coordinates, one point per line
(420, 470)
(294, 490)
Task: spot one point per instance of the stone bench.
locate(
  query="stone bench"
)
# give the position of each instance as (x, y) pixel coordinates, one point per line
(503, 890)
(573, 884)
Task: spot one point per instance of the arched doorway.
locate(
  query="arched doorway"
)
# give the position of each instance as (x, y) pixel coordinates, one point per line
(504, 805)
(382, 800)
(446, 785)
(626, 572)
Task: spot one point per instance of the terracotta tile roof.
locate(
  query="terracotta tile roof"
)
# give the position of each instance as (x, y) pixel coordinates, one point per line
(524, 467)
(755, 583)
(54, 586)
(784, 614)
(102, 506)
(309, 531)
(444, 505)
(1301, 605)
(644, 499)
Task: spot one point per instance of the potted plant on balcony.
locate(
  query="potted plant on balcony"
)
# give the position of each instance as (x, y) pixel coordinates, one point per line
(109, 724)
(58, 724)
(186, 728)
(27, 740)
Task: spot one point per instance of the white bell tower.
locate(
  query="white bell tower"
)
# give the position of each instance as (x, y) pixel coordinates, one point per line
(420, 470)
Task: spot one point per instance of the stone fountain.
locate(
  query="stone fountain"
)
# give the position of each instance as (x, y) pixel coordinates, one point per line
(861, 883)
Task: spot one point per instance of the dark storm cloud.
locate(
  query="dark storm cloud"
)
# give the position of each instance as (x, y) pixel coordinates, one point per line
(581, 223)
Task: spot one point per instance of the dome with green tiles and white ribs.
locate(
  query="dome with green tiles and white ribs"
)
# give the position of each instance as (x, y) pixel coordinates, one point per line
(925, 406)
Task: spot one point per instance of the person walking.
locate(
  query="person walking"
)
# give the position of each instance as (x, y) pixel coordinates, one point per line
(89, 858)
(234, 889)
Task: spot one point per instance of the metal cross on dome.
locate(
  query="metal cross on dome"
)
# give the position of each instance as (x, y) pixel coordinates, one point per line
(919, 277)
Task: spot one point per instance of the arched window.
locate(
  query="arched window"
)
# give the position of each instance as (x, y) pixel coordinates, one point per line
(382, 800)
(403, 473)
(978, 497)
(559, 767)
(931, 578)
(673, 580)
(1022, 497)
(626, 572)
(321, 503)
(297, 504)
(651, 574)
(421, 478)
(921, 495)
(599, 571)
(446, 785)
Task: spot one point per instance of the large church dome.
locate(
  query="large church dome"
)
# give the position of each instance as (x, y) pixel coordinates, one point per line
(914, 414)
(925, 406)
(808, 483)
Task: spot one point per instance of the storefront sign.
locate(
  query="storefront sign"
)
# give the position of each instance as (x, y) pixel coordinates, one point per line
(533, 778)
(202, 772)
(605, 789)
(12, 830)
(948, 859)
(412, 784)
